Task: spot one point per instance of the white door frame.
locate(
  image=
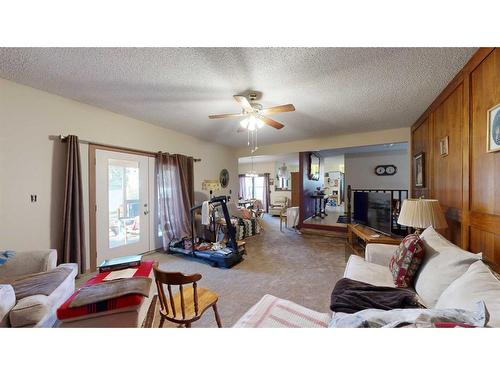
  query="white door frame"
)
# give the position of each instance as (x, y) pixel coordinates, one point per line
(155, 241)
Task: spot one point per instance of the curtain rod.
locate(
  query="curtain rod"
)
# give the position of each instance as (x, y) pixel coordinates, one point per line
(62, 138)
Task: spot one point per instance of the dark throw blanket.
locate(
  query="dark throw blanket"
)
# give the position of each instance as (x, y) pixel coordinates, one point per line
(350, 296)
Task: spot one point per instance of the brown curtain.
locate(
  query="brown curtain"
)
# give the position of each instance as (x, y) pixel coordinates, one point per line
(175, 179)
(267, 192)
(73, 248)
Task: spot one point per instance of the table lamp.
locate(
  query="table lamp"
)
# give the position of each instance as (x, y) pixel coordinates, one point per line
(421, 213)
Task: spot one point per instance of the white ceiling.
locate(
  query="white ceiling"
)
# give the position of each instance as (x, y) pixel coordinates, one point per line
(334, 90)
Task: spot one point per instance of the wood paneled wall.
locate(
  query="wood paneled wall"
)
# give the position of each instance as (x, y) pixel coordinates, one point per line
(466, 181)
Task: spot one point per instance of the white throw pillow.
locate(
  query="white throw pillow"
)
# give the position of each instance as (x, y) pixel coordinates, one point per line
(7, 302)
(443, 263)
(29, 310)
(477, 284)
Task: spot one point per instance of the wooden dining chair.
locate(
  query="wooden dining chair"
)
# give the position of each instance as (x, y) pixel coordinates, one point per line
(188, 304)
(283, 218)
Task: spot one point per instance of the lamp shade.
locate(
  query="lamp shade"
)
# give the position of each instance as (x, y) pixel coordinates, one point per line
(422, 213)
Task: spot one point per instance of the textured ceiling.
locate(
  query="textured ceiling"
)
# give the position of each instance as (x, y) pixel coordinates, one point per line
(334, 90)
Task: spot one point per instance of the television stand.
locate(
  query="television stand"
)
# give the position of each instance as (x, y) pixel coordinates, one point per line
(358, 236)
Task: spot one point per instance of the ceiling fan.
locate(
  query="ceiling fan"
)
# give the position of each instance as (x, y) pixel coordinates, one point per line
(254, 114)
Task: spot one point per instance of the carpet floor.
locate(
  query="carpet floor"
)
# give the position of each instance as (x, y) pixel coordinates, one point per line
(301, 268)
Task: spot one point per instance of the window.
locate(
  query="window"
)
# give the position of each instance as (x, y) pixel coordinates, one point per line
(254, 188)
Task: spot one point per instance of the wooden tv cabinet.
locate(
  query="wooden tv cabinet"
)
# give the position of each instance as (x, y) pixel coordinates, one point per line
(358, 236)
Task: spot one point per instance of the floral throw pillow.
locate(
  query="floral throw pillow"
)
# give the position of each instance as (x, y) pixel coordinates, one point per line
(406, 260)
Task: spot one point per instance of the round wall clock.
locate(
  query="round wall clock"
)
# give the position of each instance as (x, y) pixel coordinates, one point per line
(379, 170)
(391, 170)
(224, 178)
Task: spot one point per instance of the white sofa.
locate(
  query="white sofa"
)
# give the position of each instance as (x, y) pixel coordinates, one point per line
(448, 277)
(36, 310)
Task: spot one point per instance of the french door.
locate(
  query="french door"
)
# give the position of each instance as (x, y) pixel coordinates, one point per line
(125, 210)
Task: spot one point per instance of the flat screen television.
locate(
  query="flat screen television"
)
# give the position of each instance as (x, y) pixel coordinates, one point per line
(374, 211)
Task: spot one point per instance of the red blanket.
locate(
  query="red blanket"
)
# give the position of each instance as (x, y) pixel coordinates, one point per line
(65, 312)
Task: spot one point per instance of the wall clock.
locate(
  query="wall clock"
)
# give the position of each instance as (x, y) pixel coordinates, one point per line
(385, 170)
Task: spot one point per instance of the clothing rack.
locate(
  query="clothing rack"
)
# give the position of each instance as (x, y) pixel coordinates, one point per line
(63, 138)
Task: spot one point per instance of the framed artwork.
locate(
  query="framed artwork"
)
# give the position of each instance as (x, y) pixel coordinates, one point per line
(443, 146)
(493, 141)
(419, 169)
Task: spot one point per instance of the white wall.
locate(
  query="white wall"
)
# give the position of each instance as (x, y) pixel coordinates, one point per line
(271, 168)
(376, 137)
(360, 170)
(33, 164)
(334, 163)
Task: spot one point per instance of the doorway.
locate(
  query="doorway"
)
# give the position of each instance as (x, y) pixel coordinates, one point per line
(124, 221)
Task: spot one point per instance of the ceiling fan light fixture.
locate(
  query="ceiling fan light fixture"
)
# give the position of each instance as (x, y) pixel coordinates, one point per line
(244, 123)
(252, 124)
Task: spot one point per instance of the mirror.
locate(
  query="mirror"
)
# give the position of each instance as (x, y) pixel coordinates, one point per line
(313, 166)
(283, 184)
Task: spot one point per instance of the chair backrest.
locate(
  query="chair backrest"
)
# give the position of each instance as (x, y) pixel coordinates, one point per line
(175, 279)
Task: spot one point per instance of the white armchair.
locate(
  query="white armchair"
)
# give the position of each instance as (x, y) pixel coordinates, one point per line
(35, 310)
(278, 205)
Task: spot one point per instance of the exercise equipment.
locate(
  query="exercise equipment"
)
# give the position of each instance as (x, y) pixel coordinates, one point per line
(225, 257)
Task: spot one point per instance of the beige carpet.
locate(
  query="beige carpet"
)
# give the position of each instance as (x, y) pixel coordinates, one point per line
(301, 268)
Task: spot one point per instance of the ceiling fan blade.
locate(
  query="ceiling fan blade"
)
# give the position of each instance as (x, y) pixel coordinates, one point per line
(229, 115)
(270, 122)
(278, 109)
(244, 103)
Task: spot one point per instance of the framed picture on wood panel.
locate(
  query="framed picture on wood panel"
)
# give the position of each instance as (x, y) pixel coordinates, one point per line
(493, 141)
(443, 146)
(419, 169)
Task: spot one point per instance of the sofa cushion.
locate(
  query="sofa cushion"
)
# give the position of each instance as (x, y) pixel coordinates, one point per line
(443, 263)
(359, 269)
(29, 310)
(413, 318)
(477, 284)
(406, 260)
(7, 302)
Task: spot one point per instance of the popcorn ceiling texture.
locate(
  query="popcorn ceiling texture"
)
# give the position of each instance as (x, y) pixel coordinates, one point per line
(334, 90)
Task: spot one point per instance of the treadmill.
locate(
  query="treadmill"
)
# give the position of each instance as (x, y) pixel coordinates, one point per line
(226, 257)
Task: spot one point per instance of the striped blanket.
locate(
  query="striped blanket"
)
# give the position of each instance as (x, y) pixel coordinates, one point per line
(274, 312)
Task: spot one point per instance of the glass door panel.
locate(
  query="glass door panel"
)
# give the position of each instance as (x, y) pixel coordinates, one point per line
(122, 204)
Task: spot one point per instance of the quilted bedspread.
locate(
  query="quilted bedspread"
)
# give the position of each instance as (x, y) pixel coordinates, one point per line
(274, 312)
